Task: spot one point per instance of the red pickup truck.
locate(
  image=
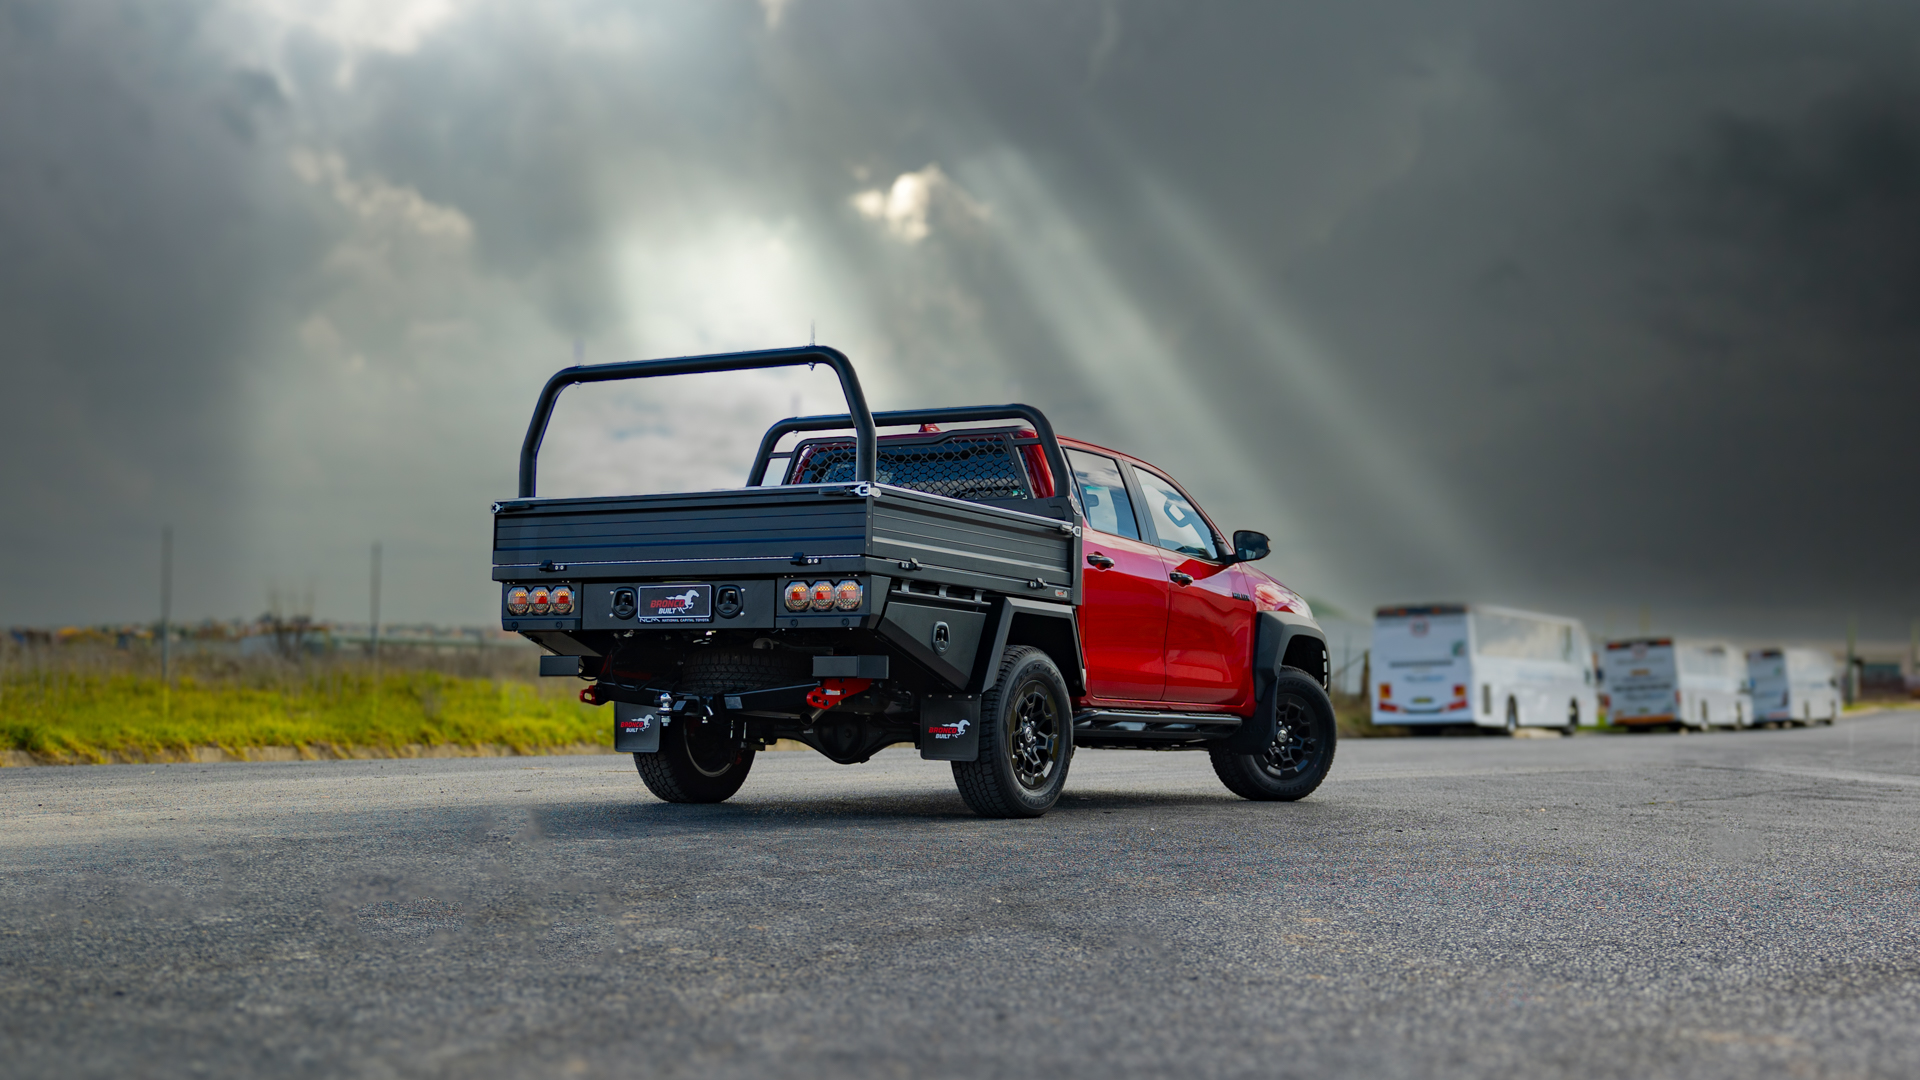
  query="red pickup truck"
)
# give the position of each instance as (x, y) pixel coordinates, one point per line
(972, 585)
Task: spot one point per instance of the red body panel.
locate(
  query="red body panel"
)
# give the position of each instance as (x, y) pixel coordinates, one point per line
(1123, 619)
(1197, 655)
(1209, 636)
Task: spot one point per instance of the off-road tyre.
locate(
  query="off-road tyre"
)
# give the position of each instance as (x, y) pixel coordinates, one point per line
(1026, 740)
(1302, 750)
(706, 759)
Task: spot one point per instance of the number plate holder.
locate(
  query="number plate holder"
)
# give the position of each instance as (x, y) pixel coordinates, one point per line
(674, 604)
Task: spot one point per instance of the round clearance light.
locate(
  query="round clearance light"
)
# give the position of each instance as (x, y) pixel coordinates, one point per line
(517, 601)
(846, 595)
(821, 595)
(562, 600)
(540, 601)
(797, 598)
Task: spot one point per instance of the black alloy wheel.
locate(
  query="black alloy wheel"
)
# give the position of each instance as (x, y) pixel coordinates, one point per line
(1033, 746)
(1296, 761)
(1026, 739)
(1294, 749)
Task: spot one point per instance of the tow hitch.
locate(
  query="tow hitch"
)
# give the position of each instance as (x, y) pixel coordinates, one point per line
(832, 692)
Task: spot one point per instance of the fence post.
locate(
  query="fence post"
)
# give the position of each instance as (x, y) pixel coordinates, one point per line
(166, 622)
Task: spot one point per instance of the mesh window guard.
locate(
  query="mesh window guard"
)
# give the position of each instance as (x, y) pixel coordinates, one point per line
(959, 466)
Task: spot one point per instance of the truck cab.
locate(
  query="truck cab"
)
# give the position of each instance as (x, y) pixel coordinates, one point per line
(960, 579)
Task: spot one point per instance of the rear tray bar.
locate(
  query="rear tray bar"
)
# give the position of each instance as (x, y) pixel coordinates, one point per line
(860, 417)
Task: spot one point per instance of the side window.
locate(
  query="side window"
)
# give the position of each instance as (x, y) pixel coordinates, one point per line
(1176, 523)
(1103, 494)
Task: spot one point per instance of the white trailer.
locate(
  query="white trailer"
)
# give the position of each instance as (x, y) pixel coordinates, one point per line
(1661, 682)
(1446, 665)
(1793, 686)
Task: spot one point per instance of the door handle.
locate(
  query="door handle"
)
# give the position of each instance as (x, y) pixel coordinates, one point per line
(1180, 579)
(1099, 561)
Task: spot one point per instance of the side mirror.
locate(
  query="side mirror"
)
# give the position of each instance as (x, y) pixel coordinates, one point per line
(1249, 546)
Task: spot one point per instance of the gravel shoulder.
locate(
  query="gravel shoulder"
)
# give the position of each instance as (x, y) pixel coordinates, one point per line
(1737, 904)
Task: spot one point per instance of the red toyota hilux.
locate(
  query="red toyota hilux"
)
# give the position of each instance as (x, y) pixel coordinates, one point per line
(972, 585)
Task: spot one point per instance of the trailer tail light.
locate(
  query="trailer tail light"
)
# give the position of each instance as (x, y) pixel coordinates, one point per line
(560, 600)
(541, 601)
(517, 601)
(847, 595)
(1386, 691)
(821, 595)
(797, 596)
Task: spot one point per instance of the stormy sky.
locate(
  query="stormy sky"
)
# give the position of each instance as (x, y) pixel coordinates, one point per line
(1585, 307)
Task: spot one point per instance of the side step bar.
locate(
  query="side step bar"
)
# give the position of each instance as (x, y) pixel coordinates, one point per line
(1106, 728)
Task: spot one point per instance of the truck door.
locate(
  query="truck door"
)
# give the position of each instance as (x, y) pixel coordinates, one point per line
(1210, 613)
(1123, 615)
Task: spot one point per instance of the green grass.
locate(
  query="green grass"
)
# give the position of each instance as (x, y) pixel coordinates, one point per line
(87, 716)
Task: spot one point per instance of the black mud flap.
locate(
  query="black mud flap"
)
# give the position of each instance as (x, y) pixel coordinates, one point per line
(636, 729)
(1257, 732)
(949, 727)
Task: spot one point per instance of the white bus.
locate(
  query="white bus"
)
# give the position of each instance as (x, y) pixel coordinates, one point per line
(1798, 686)
(1660, 682)
(1447, 665)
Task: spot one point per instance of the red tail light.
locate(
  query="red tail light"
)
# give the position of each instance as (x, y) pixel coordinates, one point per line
(798, 596)
(821, 595)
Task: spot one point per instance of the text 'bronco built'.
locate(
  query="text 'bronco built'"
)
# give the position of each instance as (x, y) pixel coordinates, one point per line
(989, 593)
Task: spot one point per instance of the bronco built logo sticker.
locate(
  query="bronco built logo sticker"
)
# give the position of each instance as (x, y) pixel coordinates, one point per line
(948, 731)
(675, 603)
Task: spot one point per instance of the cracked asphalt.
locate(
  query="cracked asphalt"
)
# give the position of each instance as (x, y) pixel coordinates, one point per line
(1736, 904)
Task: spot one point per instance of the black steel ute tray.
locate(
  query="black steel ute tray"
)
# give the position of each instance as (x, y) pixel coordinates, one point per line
(784, 530)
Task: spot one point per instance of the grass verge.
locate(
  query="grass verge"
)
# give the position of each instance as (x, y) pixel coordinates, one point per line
(87, 717)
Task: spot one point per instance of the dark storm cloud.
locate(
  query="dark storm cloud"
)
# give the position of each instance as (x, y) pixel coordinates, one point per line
(137, 249)
(1669, 306)
(1597, 305)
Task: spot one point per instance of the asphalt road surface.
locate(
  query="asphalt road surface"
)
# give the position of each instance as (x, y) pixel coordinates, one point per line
(1734, 905)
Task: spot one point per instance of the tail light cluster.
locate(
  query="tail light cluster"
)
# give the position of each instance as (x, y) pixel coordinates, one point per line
(824, 595)
(540, 600)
